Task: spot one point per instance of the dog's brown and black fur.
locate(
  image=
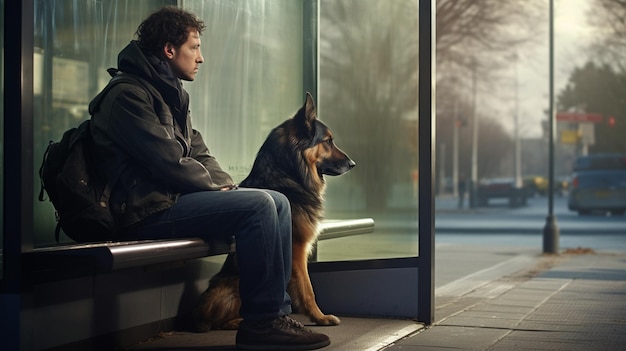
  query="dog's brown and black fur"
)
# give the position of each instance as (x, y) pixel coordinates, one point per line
(293, 160)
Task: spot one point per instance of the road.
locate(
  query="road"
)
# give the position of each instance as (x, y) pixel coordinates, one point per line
(474, 245)
(523, 226)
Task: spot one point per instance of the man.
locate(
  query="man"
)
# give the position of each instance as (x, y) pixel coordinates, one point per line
(461, 188)
(171, 186)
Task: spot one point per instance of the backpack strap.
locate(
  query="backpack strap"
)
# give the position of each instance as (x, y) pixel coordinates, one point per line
(57, 231)
(42, 193)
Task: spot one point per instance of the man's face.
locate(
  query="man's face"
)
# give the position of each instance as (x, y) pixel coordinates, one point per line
(185, 60)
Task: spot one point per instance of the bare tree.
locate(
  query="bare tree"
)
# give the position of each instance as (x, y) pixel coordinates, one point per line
(488, 31)
(369, 73)
(480, 39)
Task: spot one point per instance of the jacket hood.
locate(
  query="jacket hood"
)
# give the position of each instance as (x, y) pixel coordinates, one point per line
(133, 60)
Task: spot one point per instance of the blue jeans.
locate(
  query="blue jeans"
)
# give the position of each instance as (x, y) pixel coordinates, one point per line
(261, 223)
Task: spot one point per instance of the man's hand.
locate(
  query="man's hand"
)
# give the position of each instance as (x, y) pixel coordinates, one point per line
(229, 187)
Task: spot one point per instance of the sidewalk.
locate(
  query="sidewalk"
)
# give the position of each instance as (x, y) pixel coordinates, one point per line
(506, 296)
(573, 301)
(578, 303)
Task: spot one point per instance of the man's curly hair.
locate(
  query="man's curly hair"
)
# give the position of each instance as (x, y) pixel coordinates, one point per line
(168, 25)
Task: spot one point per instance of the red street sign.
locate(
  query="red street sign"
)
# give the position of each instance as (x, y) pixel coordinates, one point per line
(579, 117)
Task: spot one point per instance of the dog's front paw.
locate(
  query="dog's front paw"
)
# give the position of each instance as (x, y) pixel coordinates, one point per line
(327, 319)
(232, 324)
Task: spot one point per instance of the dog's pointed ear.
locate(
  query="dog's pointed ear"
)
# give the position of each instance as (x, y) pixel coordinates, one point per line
(307, 115)
(309, 108)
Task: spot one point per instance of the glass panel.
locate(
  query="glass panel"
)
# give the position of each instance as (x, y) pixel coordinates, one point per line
(368, 96)
(75, 42)
(251, 79)
(492, 123)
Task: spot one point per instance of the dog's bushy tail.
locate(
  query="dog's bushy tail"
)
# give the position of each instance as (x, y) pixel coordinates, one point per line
(218, 307)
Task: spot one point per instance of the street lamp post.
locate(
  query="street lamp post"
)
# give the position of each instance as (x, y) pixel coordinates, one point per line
(551, 230)
(517, 166)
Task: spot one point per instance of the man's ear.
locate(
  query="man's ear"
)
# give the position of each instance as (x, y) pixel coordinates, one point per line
(169, 50)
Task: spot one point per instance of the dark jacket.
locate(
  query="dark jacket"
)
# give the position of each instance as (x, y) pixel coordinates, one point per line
(142, 131)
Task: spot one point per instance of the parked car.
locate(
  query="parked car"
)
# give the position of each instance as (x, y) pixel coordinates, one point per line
(598, 183)
(502, 188)
(538, 185)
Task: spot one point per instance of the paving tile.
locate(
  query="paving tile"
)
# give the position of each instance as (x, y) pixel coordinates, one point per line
(463, 338)
(464, 320)
(579, 304)
(558, 341)
(479, 313)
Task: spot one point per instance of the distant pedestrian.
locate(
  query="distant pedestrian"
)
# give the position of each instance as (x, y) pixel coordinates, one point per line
(461, 188)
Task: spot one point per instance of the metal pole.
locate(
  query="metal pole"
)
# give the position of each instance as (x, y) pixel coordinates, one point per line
(16, 299)
(474, 175)
(426, 215)
(442, 168)
(455, 152)
(551, 230)
(518, 153)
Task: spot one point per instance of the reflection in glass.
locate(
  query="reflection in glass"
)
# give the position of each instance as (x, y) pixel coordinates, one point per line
(368, 96)
(251, 78)
(250, 81)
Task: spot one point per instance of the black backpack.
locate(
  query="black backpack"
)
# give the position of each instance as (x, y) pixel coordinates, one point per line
(76, 187)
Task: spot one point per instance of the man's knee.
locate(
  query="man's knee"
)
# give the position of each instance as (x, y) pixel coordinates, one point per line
(280, 200)
(263, 200)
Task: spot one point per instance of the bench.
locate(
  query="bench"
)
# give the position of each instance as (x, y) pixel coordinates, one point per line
(126, 292)
(75, 259)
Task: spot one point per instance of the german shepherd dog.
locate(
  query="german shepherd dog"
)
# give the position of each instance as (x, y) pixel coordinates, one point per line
(293, 160)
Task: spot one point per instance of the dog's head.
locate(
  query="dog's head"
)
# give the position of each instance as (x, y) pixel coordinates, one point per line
(317, 144)
(301, 148)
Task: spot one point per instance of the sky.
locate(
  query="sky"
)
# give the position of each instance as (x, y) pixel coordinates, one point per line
(572, 36)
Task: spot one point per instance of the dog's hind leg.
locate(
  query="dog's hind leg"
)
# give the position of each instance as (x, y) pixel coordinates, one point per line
(301, 290)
